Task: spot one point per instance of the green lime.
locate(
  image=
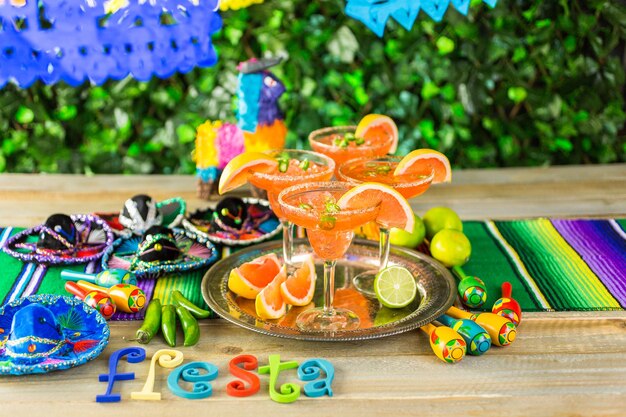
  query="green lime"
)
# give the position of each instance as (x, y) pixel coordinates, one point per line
(395, 287)
(451, 247)
(439, 218)
(408, 240)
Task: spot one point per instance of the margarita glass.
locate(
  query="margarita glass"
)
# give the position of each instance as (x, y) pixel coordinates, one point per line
(381, 170)
(330, 229)
(294, 167)
(342, 145)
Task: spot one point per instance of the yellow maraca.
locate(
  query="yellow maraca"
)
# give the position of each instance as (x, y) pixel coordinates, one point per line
(447, 344)
(128, 298)
(501, 330)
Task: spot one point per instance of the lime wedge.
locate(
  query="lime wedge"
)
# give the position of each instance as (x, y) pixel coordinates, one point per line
(395, 287)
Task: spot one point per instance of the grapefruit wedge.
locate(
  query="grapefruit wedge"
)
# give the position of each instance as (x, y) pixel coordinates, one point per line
(299, 288)
(394, 211)
(239, 168)
(250, 278)
(421, 159)
(373, 126)
(269, 302)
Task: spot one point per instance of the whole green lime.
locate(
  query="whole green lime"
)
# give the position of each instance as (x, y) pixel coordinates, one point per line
(451, 247)
(439, 218)
(408, 240)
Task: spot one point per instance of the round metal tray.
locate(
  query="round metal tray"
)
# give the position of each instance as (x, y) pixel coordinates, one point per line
(435, 284)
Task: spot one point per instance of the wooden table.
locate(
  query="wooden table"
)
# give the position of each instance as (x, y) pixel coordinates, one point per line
(561, 364)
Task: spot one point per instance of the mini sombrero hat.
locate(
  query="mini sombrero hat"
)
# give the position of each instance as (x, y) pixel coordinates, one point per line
(62, 239)
(160, 251)
(235, 222)
(141, 212)
(43, 333)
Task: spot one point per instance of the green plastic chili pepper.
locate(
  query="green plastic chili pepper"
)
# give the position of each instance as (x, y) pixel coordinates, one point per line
(151, 322)
(191, 330)
(168, 324)
(199, 313)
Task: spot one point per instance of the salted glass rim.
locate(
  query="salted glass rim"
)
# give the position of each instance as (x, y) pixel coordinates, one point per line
(328, 165)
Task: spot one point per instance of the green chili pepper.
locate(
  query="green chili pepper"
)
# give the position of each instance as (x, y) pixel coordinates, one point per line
(199, 313)
(151, 322)
(168, 324)
(191, 330)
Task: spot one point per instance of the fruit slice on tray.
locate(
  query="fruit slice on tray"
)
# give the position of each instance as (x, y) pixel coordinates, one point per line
(395, 287)
(299, 288)
(269, 302)
(417, 160)
(238, 170)
(394, 211)
(372, 125)
(250, 278)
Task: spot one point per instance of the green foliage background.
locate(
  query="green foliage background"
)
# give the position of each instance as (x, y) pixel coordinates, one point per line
(527, 83)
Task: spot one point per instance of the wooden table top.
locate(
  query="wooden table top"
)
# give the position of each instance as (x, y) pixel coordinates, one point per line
(561, 364)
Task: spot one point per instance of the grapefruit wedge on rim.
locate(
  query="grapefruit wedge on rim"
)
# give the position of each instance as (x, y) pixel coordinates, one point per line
(250, 278)
(426, 158)
(394, 211)
(236, 173)
(299, 288)
(269, 302)
(372, 125)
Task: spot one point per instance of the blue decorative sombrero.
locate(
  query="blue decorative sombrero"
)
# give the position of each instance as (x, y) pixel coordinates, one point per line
(43, 333)
(192, 252)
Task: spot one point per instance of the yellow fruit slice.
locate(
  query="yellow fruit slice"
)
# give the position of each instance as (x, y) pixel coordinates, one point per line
(239, 168)
(298, 289)
(394, 211)
(420, 159)
(250, 278)
(269, 302)
(372, 125)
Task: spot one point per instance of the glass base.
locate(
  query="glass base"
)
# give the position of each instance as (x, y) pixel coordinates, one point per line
(364, 283)
(319, 320)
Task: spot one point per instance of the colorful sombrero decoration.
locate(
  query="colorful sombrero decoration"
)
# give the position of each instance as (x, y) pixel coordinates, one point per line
(141, 212)
(235, 222)
(160, 251)
(62, 239)
(43, 333)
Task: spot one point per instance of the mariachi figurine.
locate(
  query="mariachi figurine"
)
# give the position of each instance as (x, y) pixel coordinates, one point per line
(260, 125)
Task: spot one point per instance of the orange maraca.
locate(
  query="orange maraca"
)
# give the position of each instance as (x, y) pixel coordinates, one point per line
(506, 306)
(501, 330)
(128, 298)
(447, 344)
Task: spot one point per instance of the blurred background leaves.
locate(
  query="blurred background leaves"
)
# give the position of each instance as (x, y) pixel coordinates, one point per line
(527, 83)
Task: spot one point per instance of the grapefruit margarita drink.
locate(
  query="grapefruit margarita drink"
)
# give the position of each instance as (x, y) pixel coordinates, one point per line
(330, 224)
(381, 170)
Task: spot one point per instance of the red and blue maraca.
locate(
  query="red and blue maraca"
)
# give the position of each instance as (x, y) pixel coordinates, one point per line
(477, 339)
(447, 344)
(94, 299)
(128, 298)
(506, 306)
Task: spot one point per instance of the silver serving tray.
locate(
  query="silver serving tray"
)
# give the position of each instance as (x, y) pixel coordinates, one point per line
(435, 284)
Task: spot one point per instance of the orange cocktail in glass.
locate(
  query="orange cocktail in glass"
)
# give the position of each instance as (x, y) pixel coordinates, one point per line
(381, 170)
(341, 144)
(330, 229)
(294, 167)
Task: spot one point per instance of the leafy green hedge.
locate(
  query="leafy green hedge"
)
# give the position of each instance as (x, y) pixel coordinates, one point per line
(526, 83)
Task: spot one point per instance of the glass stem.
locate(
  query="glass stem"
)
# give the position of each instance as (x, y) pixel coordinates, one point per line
(287, 241)
(383, 248)
(329, 286)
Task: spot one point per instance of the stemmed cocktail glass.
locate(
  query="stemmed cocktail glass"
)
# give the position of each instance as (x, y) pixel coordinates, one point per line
(330, 224)
(381, 170)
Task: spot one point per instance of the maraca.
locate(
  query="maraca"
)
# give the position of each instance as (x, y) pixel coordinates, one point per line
(95, 299)
(106, 278)
(472, 290)
(477, 339)
(501, 330)
(506, 306)
(447, 344)
(128, 298)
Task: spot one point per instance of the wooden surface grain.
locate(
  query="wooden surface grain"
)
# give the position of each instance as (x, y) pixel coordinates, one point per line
(562, 364)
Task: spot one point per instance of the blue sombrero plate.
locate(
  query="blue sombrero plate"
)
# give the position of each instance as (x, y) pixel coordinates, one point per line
(44, 333)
